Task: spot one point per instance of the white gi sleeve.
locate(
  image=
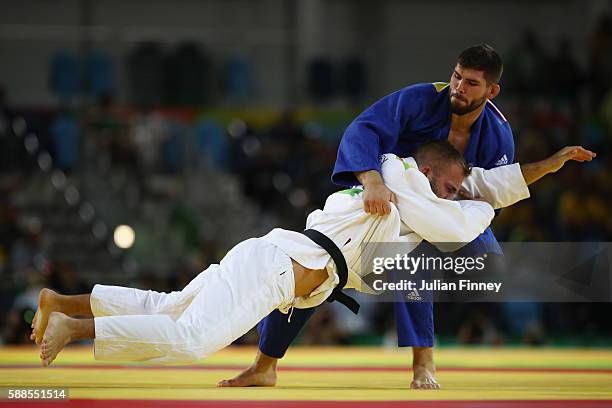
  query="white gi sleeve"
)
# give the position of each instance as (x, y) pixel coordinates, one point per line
(435, 219)
(501, 186)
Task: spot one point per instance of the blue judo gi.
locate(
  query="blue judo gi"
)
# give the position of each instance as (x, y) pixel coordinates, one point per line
(399, 123)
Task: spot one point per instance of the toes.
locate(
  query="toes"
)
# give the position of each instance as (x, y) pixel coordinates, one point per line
(417, 385)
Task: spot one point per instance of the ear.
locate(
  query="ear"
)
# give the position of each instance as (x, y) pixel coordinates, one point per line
(426, 170)
(495, 88)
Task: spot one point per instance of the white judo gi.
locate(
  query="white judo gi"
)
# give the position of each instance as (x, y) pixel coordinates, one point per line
(256, 276)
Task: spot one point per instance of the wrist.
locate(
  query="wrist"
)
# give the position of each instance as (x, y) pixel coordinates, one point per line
(369, 178)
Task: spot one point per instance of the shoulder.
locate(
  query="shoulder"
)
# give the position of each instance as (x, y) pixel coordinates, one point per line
(495, 114)
(424, 90)
(395, 168)
(420, 99)
(497, 124)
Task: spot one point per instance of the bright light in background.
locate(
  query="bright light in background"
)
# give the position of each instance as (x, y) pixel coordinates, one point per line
(124, 236)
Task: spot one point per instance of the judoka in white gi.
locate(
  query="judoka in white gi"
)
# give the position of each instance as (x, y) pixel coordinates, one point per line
(285, 269)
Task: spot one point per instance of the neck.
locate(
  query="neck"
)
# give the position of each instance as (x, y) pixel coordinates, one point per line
(463, 123)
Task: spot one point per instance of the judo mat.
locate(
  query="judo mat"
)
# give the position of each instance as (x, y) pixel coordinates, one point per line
(322, 377)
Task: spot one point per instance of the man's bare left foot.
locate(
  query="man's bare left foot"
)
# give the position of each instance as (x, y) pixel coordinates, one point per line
(251, 377)
(48, 302)
(57, 335)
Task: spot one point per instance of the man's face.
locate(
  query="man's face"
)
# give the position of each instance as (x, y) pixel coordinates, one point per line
(445, 179)
(468, 90)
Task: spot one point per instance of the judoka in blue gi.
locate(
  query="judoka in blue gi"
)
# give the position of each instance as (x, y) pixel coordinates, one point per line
(460, 111)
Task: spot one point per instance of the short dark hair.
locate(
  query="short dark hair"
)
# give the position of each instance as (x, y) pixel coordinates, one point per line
(483, 57)
(440, 151)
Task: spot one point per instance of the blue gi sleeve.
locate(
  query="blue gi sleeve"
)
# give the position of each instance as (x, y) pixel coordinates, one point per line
(375, 131)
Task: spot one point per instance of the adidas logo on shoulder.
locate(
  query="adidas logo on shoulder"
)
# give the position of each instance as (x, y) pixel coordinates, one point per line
(502, 161)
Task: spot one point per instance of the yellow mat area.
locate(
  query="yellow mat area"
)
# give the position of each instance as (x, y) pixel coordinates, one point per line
(351, 374)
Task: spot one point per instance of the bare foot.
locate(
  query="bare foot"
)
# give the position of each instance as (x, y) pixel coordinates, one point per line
(48, 302)
(57, 335)
(424, 379)
(423, 369)
(251, 377)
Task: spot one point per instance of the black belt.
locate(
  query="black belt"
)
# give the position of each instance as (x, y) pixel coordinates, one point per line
(332, 249)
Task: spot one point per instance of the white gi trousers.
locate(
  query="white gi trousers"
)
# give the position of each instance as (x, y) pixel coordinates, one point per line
(221, 304)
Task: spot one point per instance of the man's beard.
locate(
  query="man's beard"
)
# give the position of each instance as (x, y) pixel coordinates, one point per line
(463, 110)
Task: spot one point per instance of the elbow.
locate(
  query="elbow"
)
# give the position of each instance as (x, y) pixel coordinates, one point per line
(464, 234)
(461, 237)
(448, 235)
(452, 241)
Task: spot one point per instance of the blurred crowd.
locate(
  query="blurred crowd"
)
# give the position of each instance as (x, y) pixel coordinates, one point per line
(194, 182)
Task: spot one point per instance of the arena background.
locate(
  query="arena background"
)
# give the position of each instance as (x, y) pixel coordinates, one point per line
(200, 123)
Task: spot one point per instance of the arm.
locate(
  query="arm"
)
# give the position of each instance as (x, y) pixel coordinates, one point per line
(372, 133)
(435, 219)
(532, 172)
(376, 196)
(505, 185)
(501, 186)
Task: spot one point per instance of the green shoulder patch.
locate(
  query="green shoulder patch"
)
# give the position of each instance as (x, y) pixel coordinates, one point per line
(440, 85)
(352, 191)
(406, 165)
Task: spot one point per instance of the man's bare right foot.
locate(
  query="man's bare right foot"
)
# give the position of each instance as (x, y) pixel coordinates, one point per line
(57, 335)
(423, 369)
(424, 379)
(251, 377)
(48, 302)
